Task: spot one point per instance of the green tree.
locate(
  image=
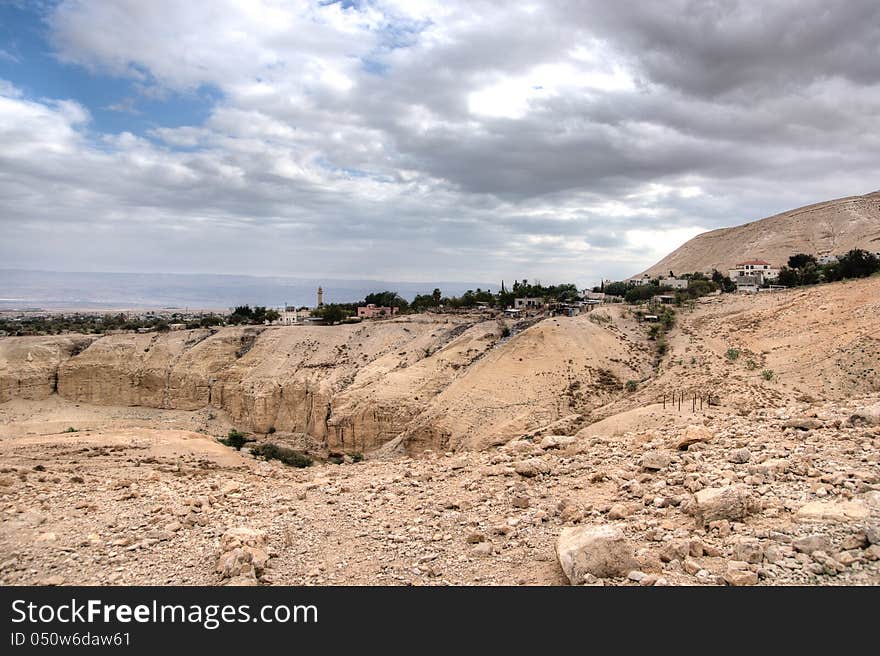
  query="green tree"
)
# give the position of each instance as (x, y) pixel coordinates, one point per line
(788, 277)
(437, 295)
(386, 299)
(800, 260)
(331, 313)
(858, 263)
(616, 288)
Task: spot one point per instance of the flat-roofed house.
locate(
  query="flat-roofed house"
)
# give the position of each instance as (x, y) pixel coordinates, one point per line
(528, 303)
(758, 269)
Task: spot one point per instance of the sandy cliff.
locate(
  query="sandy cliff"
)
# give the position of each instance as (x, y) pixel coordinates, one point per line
(443, 381)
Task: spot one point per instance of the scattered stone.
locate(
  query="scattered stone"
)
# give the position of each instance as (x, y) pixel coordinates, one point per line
(803, 423)
(53, 580)
(520, 501)
(243, 552)
(602, 551)
(557, 442)
(732, 503)
(692, 567)
(740, 456)
(531, 467)
(739, 574)
(618, 511)
(832, 511)
(692, 435)
(655, 460)
(483, 549)
(869, 416)
(748, 550)
(809, 543)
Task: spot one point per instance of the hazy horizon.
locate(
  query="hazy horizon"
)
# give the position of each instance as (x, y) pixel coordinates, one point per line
(55, 290)
(390, 140)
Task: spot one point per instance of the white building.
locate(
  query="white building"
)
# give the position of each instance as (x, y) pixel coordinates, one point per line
(288, 315)
(760, 270)
(644, 280)
(675, 283)
(826, 259)
(589, 295)
(528, 303)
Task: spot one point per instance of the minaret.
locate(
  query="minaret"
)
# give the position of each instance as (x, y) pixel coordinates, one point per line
(320, 296)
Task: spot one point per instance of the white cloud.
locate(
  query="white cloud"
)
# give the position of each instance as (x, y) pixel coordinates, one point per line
(435, 139)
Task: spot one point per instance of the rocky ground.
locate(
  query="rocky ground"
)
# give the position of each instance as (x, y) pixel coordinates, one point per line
(518, 459)
(777, 496)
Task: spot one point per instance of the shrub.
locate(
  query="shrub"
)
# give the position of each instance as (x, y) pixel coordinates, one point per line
(767, 374)
(234, 439)
(357, 456)
(662, 346)
(272, 451)
(631, 386)
(505, 332)
(271, 430)
(751, 365)
(70, 429)
(732, 354)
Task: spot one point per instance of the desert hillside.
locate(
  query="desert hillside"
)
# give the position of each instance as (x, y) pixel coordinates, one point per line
(443, 381)
(491, 457)
(832, 227)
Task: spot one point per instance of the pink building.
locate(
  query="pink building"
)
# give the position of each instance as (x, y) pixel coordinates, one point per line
(373, 311)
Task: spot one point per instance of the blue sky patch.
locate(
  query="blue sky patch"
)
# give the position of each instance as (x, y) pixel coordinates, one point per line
(115, 104)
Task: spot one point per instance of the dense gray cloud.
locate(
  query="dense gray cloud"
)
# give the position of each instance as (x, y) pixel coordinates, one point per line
(420, 140)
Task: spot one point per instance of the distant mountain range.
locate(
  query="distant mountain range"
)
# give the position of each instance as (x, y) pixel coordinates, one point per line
(26, 289)
(830, 228)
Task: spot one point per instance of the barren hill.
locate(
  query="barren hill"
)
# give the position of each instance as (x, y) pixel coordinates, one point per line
(447, 381)
(504, 446)
(832, 227)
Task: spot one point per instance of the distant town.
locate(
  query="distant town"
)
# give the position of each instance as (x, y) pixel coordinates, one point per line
(521, 299)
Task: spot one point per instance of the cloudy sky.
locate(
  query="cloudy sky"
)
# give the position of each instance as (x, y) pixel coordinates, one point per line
(419, 140)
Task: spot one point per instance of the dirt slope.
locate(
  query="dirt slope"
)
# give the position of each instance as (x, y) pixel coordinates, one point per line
(832, 227)
(350, 388)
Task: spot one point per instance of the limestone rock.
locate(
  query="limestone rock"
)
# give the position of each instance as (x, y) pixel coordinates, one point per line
(618, 511)
(531, 467)
(243, 552)
(867, 416)
(740, 456)
(655, 460)
(832, 511)
(809, 543)
(600, 551)
(803, 423)
(748, 550)
(693, 434)
(738, 574)
(556, 442)
(732, 503)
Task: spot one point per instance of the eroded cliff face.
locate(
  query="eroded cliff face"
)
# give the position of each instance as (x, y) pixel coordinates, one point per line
(425, 381)
(29, 365)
